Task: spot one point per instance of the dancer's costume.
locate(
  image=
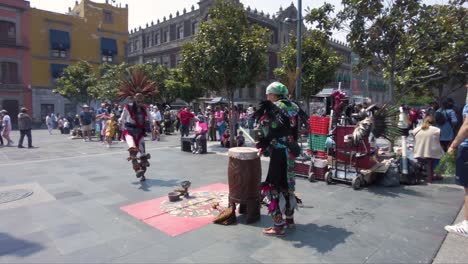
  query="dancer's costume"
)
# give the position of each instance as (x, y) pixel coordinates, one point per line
(134, 118)
(279, 123)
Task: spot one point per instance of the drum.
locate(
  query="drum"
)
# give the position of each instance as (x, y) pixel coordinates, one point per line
(244, 177)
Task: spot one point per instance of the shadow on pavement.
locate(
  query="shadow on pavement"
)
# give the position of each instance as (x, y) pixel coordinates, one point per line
(18, 247)
(322, 238)
(146, 185)
(394, 192)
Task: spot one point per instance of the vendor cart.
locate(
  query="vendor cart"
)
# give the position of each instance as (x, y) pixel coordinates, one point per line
(350, 164)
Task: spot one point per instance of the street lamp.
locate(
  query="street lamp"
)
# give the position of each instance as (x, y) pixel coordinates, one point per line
(298, 20)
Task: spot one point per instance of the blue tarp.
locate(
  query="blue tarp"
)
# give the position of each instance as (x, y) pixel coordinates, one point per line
(57, 70)
(59, 40)
(108, 46)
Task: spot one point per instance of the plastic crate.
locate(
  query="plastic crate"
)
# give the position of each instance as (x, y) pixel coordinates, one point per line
(317, 142)
(319, 125)
(320, 173)
(302, 167)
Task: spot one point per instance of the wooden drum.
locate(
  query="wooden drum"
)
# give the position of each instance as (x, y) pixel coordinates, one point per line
(244, 177)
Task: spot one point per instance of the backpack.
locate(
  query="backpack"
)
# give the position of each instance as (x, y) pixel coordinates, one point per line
(440, 118)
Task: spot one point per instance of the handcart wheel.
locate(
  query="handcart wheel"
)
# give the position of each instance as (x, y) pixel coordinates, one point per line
(357, 182)
(312, 177)
(328, 178)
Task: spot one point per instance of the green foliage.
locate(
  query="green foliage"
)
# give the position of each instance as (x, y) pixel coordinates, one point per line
(438, 45)
(110, 81)
(447, 164)
(228, 52)
(418, 47)
(179, 86)
(319, 61)
(77, 82)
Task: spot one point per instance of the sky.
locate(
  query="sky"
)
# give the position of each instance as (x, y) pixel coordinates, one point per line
(145, 11)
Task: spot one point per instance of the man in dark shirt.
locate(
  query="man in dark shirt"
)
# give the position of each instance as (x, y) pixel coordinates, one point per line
(86, 118)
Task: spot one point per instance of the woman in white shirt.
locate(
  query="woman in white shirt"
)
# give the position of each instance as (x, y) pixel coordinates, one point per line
(6, 123)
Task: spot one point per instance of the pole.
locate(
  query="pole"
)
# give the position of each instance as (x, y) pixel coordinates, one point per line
(299, 50)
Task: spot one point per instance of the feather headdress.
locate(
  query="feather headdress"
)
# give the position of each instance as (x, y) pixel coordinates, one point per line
(136, 83)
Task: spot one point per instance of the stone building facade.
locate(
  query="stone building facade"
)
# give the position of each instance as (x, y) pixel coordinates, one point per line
(160, 42)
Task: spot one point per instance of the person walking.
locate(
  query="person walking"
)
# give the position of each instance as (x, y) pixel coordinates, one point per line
(6, 123)
(24, 126)
(49, 123)
(459, 147)
(220, 122)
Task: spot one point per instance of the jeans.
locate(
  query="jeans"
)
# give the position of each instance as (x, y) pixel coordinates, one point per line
(221, 129)
(27, 133)
(184, 130)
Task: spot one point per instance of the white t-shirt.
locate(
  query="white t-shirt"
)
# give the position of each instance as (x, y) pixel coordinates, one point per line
(6, 122)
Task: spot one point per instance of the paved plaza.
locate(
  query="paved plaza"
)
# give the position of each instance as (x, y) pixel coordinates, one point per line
(73, 214)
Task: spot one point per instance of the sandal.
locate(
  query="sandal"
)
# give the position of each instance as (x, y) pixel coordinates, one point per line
(272, 231)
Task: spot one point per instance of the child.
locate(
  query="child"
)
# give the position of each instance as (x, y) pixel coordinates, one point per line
(240, 139)
(225, 139)
(111, 128)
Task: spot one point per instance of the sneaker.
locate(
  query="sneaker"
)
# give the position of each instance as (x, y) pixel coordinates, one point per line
(30, 147)
(84, 139)
(274, 231)
(19, 146)
(459, 229)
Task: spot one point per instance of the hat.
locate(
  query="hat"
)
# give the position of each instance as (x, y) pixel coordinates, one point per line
(4, 111)
(277, 88)
(201, 118)
(24, 109)
(85, 106)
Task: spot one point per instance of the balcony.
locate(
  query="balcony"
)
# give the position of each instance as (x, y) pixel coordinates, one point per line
(13, 87)
(7, 42)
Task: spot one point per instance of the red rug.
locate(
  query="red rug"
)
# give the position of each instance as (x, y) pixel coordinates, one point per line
(175, 218)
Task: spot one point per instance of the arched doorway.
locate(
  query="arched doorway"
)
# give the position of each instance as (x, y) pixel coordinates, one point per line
(12, 106)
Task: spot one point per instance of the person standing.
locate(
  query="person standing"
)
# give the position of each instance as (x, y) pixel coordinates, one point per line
(220, 124)
(86, 118)
(186, 117)
(25, 126)
(212, 127)
(427, 147)
(459, 147)
(446, 120)
(6, 123)
(280, 127)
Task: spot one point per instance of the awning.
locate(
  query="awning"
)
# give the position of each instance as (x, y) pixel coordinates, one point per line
(59, 40)
(108, 46)
(57, 70)
(218, 100)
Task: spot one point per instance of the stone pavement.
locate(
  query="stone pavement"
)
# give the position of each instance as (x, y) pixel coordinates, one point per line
(73, 216)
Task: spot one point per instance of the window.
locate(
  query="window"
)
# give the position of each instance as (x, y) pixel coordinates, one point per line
(46, 109)
(8, 73)
(165, 36)
(135, 45)
(59, 43)
(156, 39)
(56, 70)
(147, 44)
(108, 17)
(194, 28)
(180, 32)
(7, 32)
(108, 49)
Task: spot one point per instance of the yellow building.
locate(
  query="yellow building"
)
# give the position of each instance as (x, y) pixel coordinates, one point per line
(94, 32)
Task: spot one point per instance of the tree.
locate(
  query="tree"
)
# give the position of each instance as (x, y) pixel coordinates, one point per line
(228, 52)
(378, 34)
(179, 86)
(319, 61)
(76, 83)
(438, 40)
(110, 81)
